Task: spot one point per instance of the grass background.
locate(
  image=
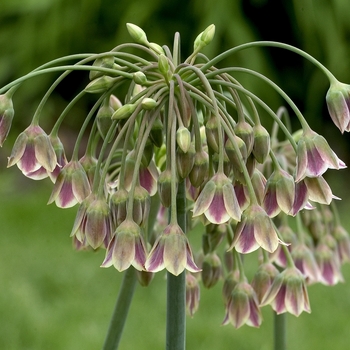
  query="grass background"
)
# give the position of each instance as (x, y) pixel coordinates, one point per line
(52, 297)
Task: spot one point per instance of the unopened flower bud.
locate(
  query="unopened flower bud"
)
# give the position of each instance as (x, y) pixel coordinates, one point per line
(148, 103)
(261, 147)
(164, 187)
(199, 172)
(140, 78)
(141, 207)
(246, 133)
(212, 133)
(163, 65)
(211, 270)
(124, 111)
(6, 115)
(192, 294)
(114, 102)
(156, 48)
(100, 85)
(185, 161)
(137, 34)
(183, 138)
(104, 119)
(118, 202)
(144, 277)
(208, 34)
(104, 62)
(233, 155)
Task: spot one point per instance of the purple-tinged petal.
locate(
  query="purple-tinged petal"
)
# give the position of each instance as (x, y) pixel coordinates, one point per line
(204, 199)
(108, 261)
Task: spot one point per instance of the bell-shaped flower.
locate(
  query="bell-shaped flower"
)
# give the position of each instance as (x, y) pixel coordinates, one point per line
(342, 239)
(33, 153)
(218, 201)
(301, 197)
(319, 190)
(338, 103)
(263, 279)
(329, 265)
(314, 156)
(126, 248)
(279, 193)
(171, 251)
(243, 307)
(93, 222)
(118, 203)
(141, 205)
(305, 261)
(211, 270)
(192, 294)
(71, 187)
(255, 230)
(288, 293)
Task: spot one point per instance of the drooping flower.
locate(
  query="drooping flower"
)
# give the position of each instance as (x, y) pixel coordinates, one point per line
(33, 153)
(279, 193)
(71, 187)
(243, 307)
(255, 230)
(171, 251)
(192, 294)
(218, 201)
(126, 248)
(92, 225)
(211, 270)
(319, 190)
(338, 103)
(60, 155)
(288, 293)
(314, 156)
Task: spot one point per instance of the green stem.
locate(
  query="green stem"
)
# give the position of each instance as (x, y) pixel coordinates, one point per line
(176, 289)
(121, 309)
(280, 326)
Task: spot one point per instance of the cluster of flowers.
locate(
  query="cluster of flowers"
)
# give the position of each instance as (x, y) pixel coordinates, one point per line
(192, 125)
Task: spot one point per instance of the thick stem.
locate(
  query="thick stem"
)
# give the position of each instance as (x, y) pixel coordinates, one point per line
(121, 309)
(280, 338)
(176, 289)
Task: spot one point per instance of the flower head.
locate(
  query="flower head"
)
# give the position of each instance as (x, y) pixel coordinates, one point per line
(314, 156)
(171, 251)
(33, 153)
(71, 187)
(288, 293)
(218, 201)
(126, 248)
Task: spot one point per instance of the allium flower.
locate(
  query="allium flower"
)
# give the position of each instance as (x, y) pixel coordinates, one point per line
(288, 293)
(338, 103)
(71, 187)
(255, 230)
(305, 261)
(243, 307)
(171, 251)
(263, 279)
(192, 294)
(92, 225)
(319, 190)
(314, 156)
(126, 248)
(329, 265)
(279, 193)
(6, 115)
(211, 270)
(33, 153)
(218, 201)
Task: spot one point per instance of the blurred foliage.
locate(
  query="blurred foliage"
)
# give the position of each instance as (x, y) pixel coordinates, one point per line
(36, 31)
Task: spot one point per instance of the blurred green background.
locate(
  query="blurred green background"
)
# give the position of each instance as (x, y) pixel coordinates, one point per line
(52, 297)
